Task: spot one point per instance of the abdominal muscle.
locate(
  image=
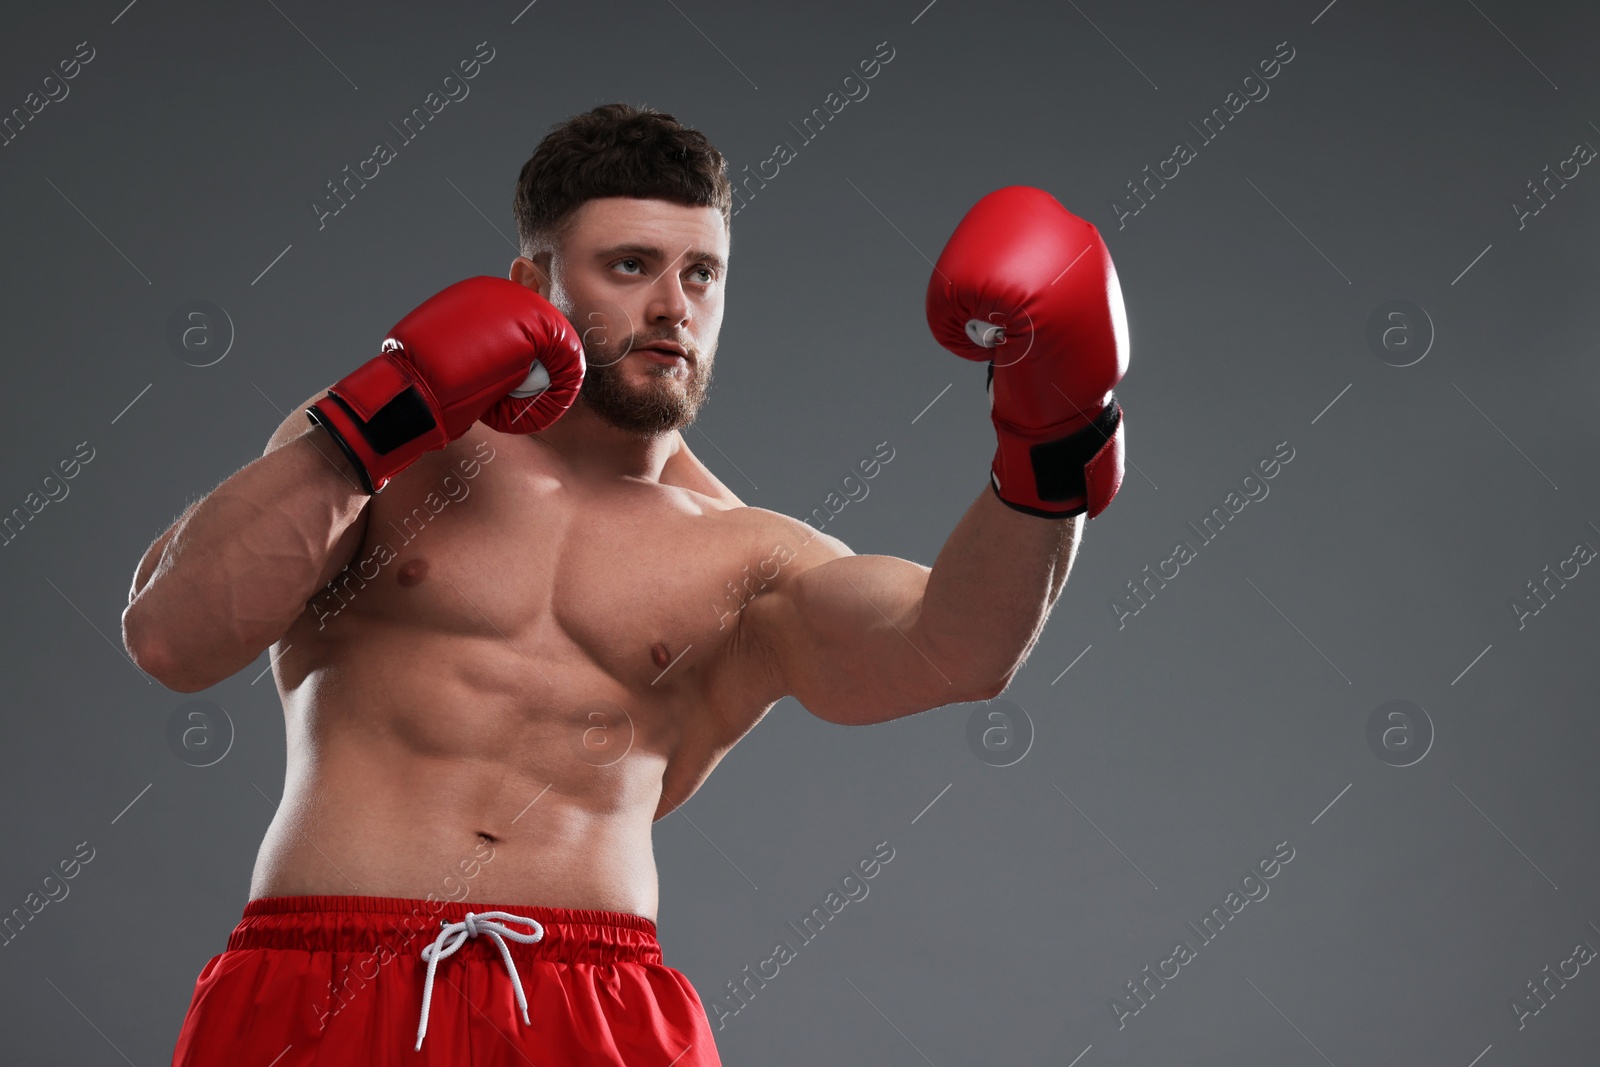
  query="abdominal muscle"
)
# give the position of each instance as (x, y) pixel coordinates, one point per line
(425, 764)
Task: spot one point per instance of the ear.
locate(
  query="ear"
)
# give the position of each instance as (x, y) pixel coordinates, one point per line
(534, 272)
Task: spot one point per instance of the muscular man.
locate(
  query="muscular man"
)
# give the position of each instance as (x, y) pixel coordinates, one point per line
(501, 629)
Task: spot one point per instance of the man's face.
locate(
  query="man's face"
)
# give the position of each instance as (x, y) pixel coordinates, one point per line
(642, 280)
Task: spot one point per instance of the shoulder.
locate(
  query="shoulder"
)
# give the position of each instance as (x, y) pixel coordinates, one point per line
(772, 551)
(775, 548)
(786, 550)
(797, 546)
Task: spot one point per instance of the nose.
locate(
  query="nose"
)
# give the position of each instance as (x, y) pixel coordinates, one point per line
(669, 304)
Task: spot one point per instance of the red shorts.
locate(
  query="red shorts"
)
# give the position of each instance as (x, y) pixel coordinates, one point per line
(340, 980)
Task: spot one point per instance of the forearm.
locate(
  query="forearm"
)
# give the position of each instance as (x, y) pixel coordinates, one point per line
(237, 569)
(991, 589)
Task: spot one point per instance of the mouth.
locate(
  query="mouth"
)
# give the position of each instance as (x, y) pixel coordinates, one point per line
(665, 352)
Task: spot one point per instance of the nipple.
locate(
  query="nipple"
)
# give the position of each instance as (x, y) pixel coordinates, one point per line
(412, 572)
(658, 655)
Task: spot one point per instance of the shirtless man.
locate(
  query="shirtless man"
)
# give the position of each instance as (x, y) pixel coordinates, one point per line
(502, 667)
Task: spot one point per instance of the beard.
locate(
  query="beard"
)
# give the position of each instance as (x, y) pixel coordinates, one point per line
(663, 404)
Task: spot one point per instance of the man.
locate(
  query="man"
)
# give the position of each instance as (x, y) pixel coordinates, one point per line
(485, 589)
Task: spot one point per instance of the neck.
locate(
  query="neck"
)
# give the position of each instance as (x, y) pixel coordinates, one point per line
(589, 444)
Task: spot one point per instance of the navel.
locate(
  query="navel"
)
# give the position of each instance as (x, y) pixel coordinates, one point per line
(412, 572)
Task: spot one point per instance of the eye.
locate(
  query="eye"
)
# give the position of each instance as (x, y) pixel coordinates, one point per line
(629, 259)
(710, 275)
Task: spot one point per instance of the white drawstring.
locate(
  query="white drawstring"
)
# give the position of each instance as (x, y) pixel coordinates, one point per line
(472, 926)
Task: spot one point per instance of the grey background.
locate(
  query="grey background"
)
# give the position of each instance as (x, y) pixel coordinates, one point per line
(1223, 719)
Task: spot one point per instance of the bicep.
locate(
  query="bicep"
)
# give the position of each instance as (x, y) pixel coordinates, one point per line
(843, 640)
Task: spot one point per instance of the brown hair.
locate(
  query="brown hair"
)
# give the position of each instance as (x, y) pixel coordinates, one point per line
(615, 150)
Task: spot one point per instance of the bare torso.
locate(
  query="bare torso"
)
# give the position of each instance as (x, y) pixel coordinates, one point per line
(514, 678)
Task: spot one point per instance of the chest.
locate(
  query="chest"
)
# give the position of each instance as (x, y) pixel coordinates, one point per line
(491, 538)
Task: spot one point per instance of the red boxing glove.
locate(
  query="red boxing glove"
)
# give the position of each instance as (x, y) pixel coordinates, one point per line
(1028, 286)
(485, 348)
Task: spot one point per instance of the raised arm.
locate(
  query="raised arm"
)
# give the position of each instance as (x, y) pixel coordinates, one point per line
(866, 639)
(236, 570)
(1028, 288)
(237, 567)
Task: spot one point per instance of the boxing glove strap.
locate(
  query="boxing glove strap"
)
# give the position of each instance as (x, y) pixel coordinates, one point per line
(403, 419)
(377, 446)
(1070, 475)
(350, 453)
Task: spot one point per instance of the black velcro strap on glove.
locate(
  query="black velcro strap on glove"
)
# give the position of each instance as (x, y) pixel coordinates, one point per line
(1058, 465)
